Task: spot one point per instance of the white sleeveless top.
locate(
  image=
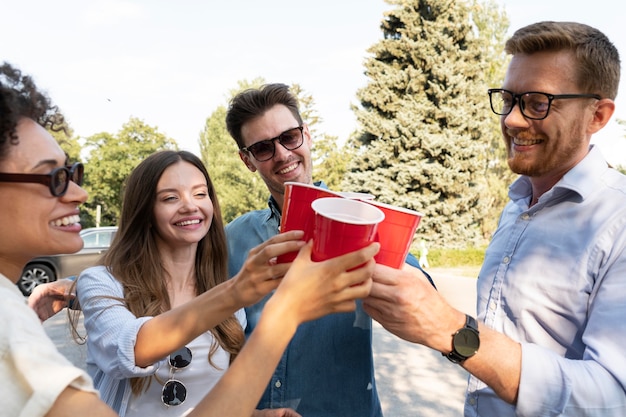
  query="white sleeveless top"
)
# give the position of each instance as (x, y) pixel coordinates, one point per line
(199, 377)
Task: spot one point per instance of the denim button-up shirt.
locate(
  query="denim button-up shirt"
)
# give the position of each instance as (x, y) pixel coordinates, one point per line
(328, 368)
(554, 279)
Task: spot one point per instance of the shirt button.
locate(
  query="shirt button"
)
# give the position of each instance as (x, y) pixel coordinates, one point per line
(506, 260)
(525, 216)
(472, 401)
(492, 306)
(277, 384)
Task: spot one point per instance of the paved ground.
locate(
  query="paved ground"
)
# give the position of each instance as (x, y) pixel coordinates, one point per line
(416, 381)
(412, 380)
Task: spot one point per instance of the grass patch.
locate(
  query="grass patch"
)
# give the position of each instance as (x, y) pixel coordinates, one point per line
(455, 258)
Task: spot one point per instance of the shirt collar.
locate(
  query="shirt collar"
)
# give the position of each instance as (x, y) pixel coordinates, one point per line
(580, 180)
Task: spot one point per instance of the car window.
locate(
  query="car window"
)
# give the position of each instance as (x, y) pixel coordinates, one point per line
(97, 239)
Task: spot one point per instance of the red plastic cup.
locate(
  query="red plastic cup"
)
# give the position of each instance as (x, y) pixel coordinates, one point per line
(395, 233)
(297, 212)
(343, 225)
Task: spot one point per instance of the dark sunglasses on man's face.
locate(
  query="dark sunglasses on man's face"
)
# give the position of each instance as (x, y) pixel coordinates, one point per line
(58, 180)
(264, 150)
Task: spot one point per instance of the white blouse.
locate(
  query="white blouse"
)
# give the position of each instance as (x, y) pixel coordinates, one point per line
(199, 377)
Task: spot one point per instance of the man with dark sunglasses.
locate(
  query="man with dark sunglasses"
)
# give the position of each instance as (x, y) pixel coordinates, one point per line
(328, 368)
(265, 150)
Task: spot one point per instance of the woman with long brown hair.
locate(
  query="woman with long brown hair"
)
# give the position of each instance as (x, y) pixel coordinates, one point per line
(169, 250)
(44, 192)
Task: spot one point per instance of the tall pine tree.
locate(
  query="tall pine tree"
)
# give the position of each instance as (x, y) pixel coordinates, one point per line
(492, 24)
(422, 117)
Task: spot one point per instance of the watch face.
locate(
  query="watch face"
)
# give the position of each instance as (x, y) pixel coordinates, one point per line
(466, 342)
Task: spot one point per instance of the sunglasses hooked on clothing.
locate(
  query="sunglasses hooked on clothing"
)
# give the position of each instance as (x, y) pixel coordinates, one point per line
(264, 150)
(58, 180)
(174, 392)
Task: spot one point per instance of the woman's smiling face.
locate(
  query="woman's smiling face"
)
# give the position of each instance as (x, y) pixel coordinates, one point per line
(183, 210)
(37, 222)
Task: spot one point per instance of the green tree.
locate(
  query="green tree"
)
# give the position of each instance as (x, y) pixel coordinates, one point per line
(330, 161)
(492, 25)
(330, 158)
(422, 117)
(69, 143)
(238, 189)
(111, 159)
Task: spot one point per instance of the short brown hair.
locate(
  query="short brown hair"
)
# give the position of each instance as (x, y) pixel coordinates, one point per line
(598, 62)
(254, 102)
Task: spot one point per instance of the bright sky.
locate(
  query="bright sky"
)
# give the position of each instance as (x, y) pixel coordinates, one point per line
(172, 63)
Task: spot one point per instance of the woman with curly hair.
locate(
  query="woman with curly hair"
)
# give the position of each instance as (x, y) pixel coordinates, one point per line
(39, 216)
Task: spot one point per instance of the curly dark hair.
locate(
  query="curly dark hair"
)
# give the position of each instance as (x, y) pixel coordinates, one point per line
(19, 97)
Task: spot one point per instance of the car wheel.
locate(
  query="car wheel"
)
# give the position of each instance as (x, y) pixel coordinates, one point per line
(34, 275)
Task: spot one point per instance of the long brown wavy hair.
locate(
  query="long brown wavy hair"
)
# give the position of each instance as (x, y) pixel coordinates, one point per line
(133, 258)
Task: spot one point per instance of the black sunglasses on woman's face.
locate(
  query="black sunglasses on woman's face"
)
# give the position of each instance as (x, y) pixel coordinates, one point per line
(58, 180)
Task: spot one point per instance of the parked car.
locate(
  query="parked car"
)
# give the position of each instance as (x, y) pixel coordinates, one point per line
(50, 268)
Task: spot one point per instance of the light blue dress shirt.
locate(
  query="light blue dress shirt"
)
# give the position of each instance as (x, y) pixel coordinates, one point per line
(328, 368)
(554, 279)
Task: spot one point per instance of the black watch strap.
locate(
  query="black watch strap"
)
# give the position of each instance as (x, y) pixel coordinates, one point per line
(468, 337)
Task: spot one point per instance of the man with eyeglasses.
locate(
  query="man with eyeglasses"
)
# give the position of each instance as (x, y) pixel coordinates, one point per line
(327, 369)
(550, 334)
